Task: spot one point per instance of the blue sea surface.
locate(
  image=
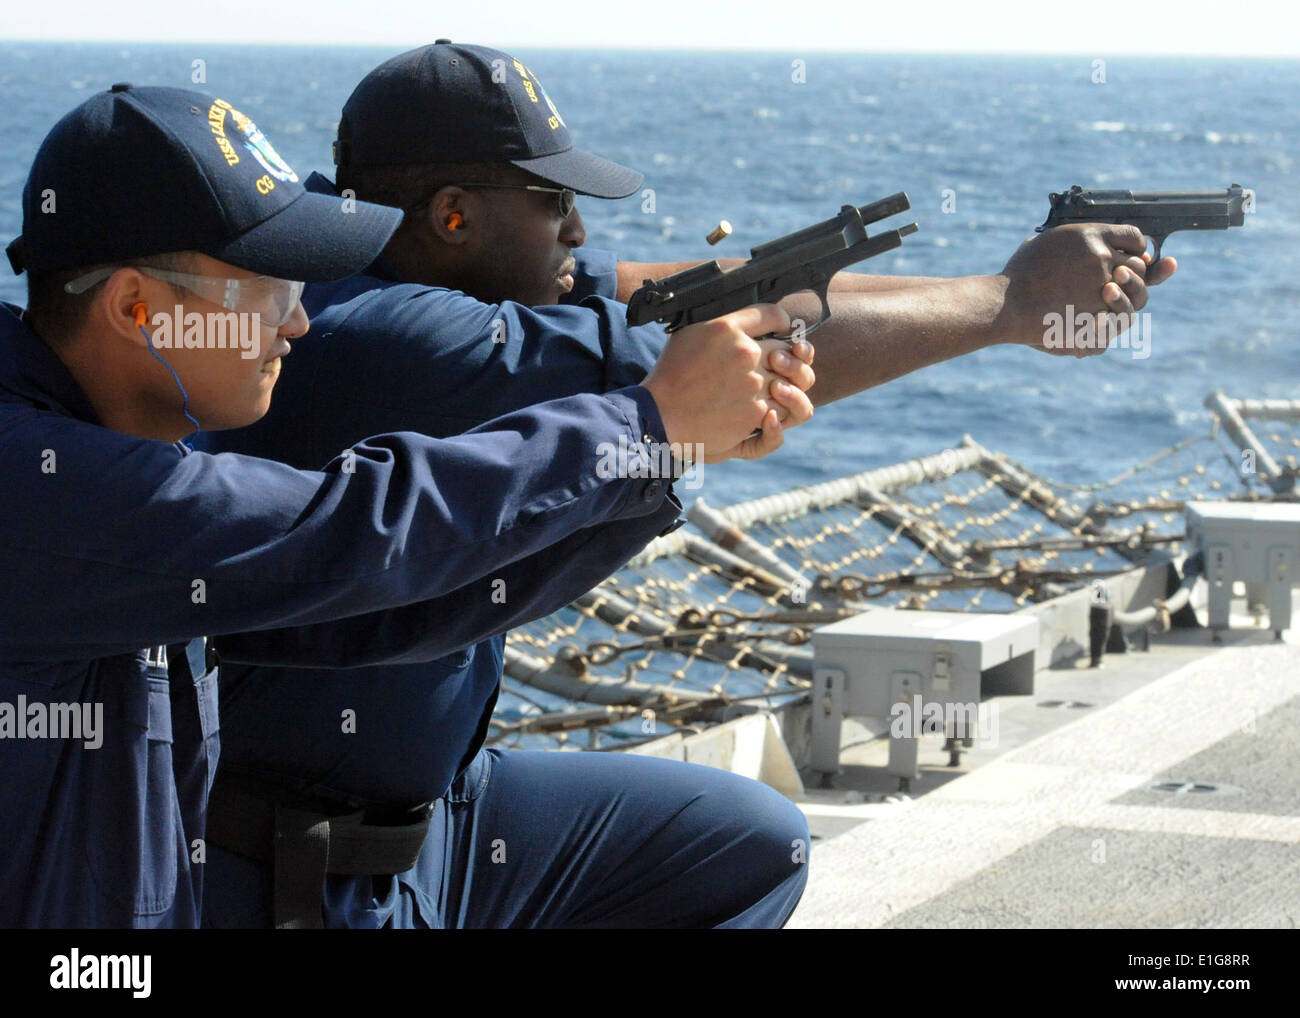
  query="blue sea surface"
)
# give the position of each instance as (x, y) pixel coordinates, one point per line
(740, 136)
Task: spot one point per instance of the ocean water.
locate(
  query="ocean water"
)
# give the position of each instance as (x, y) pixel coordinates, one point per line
(738, 136)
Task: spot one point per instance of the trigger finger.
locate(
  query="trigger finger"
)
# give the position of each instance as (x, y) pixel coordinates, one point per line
(1123, 237)
(762, 319)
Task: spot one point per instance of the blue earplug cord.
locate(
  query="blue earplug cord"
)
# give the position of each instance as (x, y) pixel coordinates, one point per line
(185, 399)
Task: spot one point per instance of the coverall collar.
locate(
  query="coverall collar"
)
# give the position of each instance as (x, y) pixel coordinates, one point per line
(31, 371)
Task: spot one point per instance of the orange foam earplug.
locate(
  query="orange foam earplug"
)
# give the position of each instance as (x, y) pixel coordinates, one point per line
(454, 221)
(141, 311)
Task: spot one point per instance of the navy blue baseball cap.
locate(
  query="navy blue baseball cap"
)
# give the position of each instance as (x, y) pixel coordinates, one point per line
(143, 171)
(445, 103)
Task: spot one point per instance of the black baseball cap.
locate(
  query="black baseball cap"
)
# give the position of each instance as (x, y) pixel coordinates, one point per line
(143, 171)
(468, 104)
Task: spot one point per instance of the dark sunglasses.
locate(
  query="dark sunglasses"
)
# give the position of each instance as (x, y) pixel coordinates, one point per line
(564, 203)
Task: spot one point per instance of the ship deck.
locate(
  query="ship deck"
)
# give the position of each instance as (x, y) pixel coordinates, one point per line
(1166, 794)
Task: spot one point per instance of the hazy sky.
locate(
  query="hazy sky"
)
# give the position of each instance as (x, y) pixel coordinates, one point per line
(1100, 28)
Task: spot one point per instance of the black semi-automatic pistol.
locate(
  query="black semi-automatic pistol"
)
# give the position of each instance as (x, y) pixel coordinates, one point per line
(1156, 213)
(803, 260)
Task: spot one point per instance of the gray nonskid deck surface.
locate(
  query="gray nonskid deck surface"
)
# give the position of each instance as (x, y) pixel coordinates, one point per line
(1060, 824)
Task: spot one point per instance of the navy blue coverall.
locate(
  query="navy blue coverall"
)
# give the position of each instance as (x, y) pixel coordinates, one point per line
(588, 838)
(111, 544)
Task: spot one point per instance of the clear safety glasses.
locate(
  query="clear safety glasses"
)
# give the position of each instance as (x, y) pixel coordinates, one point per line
(273, 299)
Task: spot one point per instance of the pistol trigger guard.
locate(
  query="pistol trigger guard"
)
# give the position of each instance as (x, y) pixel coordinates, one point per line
(824, 296)
(808, 330)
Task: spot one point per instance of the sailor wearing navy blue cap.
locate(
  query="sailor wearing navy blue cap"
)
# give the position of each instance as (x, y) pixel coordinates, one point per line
(149, 209)
(459, 321)
(485, 300)
(467, 104)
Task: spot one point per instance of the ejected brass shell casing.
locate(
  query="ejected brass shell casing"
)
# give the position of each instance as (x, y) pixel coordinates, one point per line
(723, 229)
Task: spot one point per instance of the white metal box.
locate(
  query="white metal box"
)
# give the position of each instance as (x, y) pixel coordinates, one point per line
(1254, 542)
(866, 664)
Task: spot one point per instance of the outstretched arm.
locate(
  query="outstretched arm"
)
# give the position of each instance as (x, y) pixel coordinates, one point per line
(632, 274)
(884, 327)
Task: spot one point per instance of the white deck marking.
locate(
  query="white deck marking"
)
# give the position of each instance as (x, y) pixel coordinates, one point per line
(901, 859)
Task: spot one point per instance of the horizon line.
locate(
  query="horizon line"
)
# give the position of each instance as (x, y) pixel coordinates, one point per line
(1110, 53)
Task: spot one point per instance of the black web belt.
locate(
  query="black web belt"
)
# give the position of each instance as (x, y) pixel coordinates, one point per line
(302, 844)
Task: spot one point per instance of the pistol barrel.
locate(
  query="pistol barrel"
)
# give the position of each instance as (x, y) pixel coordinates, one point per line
(885, 208)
